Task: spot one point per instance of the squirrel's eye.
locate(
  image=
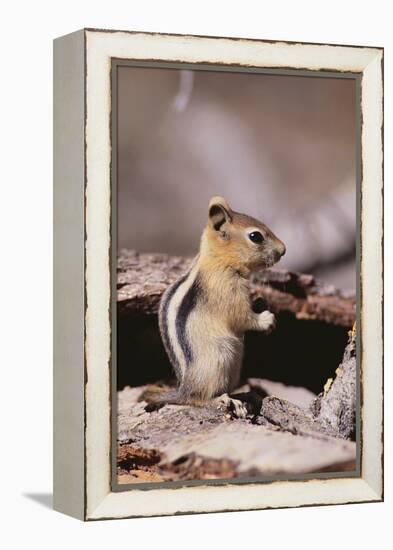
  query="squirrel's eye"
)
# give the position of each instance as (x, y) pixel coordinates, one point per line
(256, 237)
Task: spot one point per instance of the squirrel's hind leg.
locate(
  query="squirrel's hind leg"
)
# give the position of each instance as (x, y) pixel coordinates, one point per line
(241, 404)
(237, 407)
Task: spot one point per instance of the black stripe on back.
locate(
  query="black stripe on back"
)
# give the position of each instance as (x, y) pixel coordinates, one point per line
(187, 305)
(164, 323)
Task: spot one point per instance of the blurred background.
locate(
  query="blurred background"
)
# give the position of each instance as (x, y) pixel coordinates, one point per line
(280, 148)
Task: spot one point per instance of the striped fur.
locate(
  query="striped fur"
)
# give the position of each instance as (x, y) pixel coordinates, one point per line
(163, 322)
(187, 304)
(176, 305)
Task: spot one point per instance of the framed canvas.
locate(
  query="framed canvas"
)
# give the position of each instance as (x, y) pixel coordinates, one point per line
(222, 382)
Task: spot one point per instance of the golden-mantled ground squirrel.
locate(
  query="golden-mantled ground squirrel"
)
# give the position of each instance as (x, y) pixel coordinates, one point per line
(204, 314)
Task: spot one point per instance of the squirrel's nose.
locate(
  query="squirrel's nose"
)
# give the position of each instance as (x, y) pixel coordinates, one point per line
(282, 249)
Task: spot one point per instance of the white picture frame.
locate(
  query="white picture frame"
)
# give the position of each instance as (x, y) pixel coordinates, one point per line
(82, 247)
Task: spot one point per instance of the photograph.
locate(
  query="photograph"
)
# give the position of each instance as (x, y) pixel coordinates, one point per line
(235, 274)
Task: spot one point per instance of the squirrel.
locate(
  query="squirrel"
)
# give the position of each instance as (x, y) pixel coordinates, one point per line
(204, 314)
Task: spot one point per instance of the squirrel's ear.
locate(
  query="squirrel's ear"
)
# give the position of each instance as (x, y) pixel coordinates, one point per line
(219, 212)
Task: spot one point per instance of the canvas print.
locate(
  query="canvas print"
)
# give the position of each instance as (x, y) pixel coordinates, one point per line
(235, 279)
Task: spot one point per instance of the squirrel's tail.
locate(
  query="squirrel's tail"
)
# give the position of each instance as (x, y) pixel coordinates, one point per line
(157, 397)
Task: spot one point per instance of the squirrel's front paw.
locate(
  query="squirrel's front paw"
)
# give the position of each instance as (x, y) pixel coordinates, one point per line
(267, 321)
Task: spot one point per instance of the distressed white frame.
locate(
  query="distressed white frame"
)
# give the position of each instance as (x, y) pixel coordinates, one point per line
(100, 48)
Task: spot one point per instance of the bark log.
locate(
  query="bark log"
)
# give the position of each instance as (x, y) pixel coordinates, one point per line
(177, 443)
(335, 407)
(332, 412)
(142, 278)
(295, 432)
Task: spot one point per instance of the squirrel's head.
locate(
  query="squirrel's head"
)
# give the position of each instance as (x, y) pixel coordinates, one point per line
(238, 239)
